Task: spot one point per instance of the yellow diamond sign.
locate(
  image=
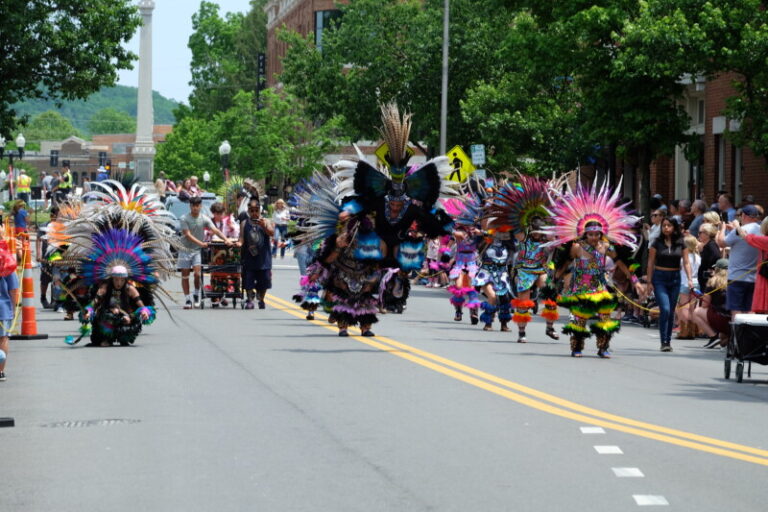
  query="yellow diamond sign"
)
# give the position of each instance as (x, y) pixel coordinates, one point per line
(461, 163)
(381, 152)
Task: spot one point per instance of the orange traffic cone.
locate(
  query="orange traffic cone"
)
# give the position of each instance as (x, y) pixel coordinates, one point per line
(28, 321)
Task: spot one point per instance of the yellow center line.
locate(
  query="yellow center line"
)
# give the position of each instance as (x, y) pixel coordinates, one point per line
(578, 412)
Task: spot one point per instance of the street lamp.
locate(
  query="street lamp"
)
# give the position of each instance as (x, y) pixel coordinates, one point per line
(224, 150)
(206, 178)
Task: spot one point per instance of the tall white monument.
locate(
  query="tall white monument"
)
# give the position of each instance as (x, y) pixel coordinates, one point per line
(144, 150)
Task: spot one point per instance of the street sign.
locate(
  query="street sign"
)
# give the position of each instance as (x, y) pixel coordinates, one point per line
(462, 165)
(381, 152)
(478, 153)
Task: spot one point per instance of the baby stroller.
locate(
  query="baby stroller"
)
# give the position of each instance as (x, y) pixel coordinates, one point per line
(222, 264)
(748, 342)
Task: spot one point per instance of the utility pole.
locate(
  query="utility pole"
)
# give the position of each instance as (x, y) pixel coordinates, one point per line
(444, 96)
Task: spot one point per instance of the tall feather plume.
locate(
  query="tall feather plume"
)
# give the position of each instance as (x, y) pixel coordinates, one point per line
(396, 130)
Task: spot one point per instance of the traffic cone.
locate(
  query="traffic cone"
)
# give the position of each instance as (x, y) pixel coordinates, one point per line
(28, 321)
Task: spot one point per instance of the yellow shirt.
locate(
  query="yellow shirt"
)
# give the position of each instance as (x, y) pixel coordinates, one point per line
(23, 184)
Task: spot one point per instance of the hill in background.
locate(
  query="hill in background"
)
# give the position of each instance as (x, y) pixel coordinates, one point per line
(120, 97)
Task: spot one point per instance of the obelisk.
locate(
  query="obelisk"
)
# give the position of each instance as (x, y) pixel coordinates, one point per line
(144, 149)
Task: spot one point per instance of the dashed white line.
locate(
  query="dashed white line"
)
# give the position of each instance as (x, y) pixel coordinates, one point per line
(592, 430)
(608, 450)
(628, 472)
(645, 500)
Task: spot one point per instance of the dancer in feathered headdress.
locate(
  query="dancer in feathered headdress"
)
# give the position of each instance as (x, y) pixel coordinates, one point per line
(400, 205)
(467, 214)
(521, 207)
(592, 219)
(119, 247)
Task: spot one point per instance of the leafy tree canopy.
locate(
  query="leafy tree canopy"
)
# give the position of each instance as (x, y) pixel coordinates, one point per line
(109, 120)
(224, 55)
(49, 125)
(61, 50)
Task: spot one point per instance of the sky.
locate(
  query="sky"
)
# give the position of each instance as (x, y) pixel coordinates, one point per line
(171, 28)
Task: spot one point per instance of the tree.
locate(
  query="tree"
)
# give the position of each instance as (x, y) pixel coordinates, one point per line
(383, 51)
(224, 55)
(109, 120)
(676, 37)
(191, 148)
(276, 142)
(49, 125)
(61, 50)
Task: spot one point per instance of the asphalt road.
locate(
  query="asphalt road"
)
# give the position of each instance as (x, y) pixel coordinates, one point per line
(232, 410)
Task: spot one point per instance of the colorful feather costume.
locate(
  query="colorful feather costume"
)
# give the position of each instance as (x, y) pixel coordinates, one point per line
(118, 228)
(576, 213)
(398, 205)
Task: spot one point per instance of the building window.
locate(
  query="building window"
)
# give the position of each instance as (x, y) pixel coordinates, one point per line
(700, 116)
(119, 149)
(325, 20)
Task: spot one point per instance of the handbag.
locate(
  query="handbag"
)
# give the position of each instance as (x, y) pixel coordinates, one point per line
(763, 269)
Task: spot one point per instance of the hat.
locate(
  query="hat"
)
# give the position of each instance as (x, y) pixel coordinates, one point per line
(658, 196)
(750, 211)
(722, 264)
(118, 271)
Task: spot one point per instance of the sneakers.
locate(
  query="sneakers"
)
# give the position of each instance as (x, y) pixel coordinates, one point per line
(249, 305)
(368, 333)
(343, 333)
(262, 305)
(197, 301)
(713, 342)
(188, 304)
(2, 376)
(666, 346)
(44, 302)
(60, 309)
(604, 354)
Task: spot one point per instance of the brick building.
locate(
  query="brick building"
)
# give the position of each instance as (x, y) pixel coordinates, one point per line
(722, 165)
(84, 156)
(303, 16)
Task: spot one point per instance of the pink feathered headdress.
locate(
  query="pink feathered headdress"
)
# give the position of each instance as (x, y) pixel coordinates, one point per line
(573, 210)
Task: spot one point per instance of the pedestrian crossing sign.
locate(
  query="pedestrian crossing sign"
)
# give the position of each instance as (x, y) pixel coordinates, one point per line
(461, 163)
(381, 152)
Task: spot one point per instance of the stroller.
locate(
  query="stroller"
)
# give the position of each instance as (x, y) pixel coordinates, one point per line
(222, 264)
(748, 342)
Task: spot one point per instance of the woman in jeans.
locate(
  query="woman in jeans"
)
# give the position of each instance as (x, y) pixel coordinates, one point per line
(667, 255)
(280, 218)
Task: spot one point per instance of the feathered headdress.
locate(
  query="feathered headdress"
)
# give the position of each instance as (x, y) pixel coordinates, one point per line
(426, 184)
(573, 210)
(468, 210)
(396, 131)
(317, 209)
(515, 205)
(136, 204)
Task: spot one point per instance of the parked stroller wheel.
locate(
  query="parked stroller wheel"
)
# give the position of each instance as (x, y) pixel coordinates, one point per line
(727, 369)
(739, 372)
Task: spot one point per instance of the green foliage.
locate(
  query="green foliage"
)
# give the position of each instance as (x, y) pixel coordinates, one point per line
(224, 55)
(109, 120)
(276, 141)
(191, 148)
(383, 51)
(120, 98)
(49, 125)
(61, 50)
(672, 37)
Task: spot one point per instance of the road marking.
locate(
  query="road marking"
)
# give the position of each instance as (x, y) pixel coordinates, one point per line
(608, 450)
(537, 399)
(628, 472)
(592, 430)
(645, 500)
